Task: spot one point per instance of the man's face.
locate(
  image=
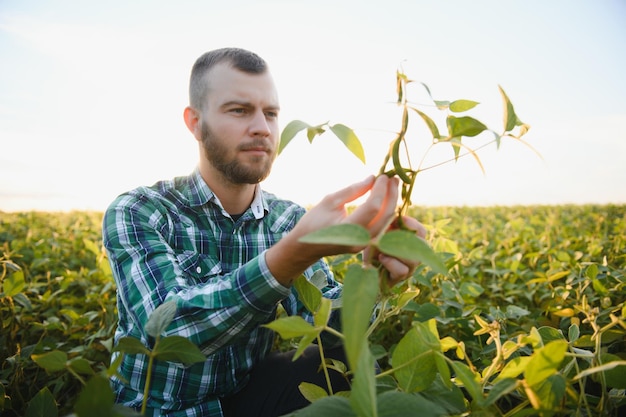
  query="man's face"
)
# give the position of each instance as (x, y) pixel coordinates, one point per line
(239, 125)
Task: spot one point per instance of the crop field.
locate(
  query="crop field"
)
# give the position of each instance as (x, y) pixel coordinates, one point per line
(531, 315)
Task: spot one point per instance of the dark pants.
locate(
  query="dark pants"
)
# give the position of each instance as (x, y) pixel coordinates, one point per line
(273, 387)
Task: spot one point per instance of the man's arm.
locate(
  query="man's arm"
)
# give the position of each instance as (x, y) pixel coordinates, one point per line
(148, 272)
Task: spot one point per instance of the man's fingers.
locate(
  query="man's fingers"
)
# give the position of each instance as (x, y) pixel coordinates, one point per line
(398, 270)
(378, 208)
(350, 193)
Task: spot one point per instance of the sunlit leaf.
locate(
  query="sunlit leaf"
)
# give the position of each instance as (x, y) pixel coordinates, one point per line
(313, 131)
(459, 106)
(161, 318)
(14, 283)
(178, 349)
(322, 315)
(464, 126)
(342, 234)
(131, 345)
(510, 118)
(363, 393)
(289, 132)
(469, 379)
(434, 130)
(514, 367)
(407, 245)
(414, 360)
(545, 361)
(308, 293)
(359, 297)
(471, 289)
(311, 391)
(51, 361)
(292, 326)
(550, 391)
(305, 341)
(350, 139)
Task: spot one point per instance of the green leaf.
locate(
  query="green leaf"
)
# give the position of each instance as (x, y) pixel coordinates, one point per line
(81, 366)
(615, 377)
(131, 346)
(342, 234)
(51, 361)
(510, 118)
(321, 316)
(459, 106)
(408, 246)
(292, 326)
(470, 380)
(96, 399)
(514, 367)
(464, 126)
(289, 132)
(471, 290)
(414, 361)
(401, 404)
(304, 343)
(434, 130)
(312, 392)
(308, 293)
(544, 362)
(42, 405)
(363, 393)
(360, 289)
(573, 333)
(500, 389)
(333, 406)
(14, 283)
(313, 131)
(350, 139)
(178, 349)
(160, 318)
(550, 392)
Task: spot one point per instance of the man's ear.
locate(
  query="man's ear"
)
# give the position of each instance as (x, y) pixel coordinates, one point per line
(192, 120)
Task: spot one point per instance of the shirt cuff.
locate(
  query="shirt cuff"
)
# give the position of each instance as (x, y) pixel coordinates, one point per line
(258, 287)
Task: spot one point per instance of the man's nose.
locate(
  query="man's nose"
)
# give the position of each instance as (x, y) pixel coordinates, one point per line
(260, 125)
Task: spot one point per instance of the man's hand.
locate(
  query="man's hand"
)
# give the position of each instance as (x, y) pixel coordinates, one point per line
(398, 269)
(290, 257)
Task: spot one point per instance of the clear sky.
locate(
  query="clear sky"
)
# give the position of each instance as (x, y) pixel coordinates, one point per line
(92, 93)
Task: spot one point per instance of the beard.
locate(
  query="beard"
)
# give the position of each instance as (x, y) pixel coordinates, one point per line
(232, 169)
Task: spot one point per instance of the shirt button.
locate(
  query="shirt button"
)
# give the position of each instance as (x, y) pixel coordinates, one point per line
(198, 270)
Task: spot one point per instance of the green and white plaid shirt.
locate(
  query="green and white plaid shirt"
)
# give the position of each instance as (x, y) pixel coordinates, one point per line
(174, 241)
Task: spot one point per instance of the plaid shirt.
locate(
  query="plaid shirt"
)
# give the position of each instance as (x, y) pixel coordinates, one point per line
(174, 241)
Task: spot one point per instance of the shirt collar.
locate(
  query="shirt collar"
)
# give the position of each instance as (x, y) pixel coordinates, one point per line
(200, 194)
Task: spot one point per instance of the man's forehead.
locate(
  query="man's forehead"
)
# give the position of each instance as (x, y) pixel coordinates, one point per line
(227, 83)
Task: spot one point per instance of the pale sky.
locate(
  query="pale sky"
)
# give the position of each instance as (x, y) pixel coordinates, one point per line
(92, 93)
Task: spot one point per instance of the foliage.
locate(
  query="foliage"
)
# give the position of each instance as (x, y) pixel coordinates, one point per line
(514, 311)
(476, 367)
(531, 274)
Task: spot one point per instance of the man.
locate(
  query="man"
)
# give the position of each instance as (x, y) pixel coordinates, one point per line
(227, 253)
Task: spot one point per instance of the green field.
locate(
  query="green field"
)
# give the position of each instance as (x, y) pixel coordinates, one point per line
(519, 278)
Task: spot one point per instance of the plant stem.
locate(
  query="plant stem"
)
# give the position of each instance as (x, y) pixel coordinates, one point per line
(324, 366)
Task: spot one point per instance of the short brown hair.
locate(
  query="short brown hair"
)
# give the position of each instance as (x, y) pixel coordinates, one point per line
(240, 59)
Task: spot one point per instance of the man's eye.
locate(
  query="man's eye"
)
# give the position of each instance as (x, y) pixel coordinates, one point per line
(271, 114)
(238, 110)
